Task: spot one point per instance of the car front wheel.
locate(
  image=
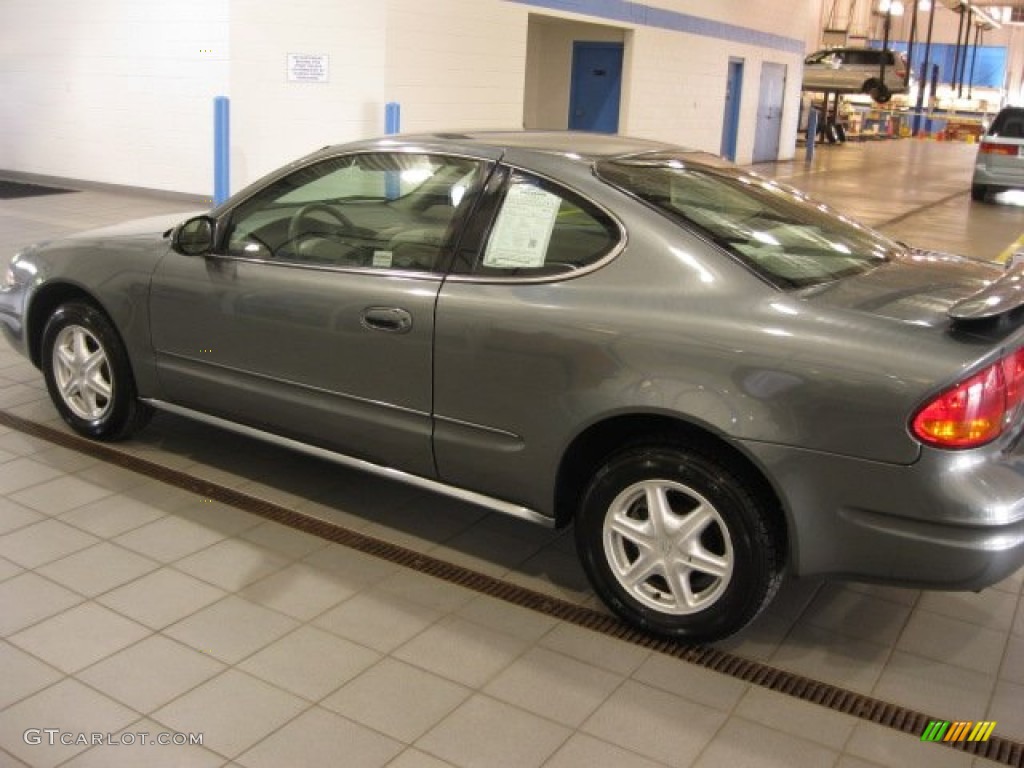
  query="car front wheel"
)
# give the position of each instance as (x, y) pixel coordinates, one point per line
(678, 542)
(88, 374)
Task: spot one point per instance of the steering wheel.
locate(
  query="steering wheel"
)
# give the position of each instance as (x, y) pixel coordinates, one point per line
(295, 224)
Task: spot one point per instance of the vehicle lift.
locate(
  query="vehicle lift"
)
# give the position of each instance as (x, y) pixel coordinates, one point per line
(829, 128)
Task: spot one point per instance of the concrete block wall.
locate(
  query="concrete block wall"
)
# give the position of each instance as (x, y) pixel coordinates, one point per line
(121, 91)
(456, 64)
(678, 91)
(112, 90)
(275, 120)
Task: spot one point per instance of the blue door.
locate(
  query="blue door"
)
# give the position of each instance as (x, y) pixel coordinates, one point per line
(596, 87)
(731, 120)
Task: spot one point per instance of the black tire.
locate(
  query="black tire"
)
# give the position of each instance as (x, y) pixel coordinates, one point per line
(729, 527)
(979, 193)
(88, 374)
(880, 93)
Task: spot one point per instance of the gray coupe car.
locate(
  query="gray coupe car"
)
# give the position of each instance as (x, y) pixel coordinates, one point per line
(714, 378)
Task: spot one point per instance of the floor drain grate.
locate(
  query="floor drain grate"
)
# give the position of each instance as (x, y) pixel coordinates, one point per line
(997, 748)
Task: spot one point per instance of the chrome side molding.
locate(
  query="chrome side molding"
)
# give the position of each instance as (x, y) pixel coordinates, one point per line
(435, 486)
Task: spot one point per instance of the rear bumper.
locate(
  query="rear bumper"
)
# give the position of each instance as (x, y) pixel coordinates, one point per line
(999, 178)
(950, 521)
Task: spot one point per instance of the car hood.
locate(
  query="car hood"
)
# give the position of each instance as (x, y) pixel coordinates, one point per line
(153, 226)
(920, 288)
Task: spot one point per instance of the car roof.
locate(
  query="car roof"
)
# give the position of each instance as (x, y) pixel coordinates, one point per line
(575, 144)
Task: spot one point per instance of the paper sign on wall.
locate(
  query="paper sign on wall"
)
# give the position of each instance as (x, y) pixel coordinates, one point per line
(523, 230)
(308, 68)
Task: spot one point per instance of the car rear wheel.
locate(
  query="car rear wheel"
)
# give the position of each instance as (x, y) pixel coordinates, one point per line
(979, 193)
(878, 91)
(88, 374)
(678, 542)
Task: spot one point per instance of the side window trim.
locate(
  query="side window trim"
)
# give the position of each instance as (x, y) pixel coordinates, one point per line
(462, 221)
(474, 242)
(477, 228)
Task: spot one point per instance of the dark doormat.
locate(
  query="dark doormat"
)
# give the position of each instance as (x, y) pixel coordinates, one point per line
(12, 189)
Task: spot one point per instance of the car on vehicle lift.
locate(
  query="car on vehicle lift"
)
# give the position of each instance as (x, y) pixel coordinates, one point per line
(716, 379)
(857, 70)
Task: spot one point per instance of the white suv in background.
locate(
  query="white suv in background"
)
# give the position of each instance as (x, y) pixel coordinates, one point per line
(1000, 162)
(857, 70)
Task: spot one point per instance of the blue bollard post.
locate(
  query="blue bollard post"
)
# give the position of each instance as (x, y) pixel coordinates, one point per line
(812, 133)
(392, 118)
(392, 125)
(221, 149)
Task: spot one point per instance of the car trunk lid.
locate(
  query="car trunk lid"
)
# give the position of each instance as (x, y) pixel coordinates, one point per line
(929, 289)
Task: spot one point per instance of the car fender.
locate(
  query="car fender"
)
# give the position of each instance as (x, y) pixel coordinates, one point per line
(115, 275)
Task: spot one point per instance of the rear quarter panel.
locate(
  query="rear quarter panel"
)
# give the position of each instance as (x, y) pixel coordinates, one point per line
(674, 327)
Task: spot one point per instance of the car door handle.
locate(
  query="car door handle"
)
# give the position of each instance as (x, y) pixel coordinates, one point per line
(390, 319)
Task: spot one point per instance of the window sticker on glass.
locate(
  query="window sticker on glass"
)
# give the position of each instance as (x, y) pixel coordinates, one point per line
(523, 230)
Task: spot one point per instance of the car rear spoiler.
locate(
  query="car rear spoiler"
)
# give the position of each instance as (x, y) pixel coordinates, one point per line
(1000, 298)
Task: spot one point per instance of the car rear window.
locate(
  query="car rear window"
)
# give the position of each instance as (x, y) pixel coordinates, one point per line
(775, 230)
(1009, 124)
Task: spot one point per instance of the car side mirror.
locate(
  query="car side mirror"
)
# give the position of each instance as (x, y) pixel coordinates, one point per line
(194, 237)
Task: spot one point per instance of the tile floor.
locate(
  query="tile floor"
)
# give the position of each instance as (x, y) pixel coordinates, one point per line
(128, 606)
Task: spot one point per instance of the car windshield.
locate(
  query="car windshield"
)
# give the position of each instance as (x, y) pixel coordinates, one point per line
(780, 234)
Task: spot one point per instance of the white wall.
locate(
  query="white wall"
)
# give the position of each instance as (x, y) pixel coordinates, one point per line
(1015, 66)
(121, 91)
(678, 91)
(274, 120)
(456, 64)
(112, 90)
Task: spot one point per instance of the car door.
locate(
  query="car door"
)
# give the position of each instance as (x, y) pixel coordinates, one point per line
(314, 317)
(520, 343)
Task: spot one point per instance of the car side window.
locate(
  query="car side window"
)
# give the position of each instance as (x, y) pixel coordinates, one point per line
(541, 229)
(386, 211)
(826, 57)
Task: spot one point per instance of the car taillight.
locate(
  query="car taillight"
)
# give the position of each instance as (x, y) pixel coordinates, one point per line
(975, 411)
(989, 148)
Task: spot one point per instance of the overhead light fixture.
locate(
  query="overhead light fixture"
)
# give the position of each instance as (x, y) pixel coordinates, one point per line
(890, 7)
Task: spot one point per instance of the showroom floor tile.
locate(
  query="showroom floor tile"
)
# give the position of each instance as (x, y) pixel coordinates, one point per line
(128, 605)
